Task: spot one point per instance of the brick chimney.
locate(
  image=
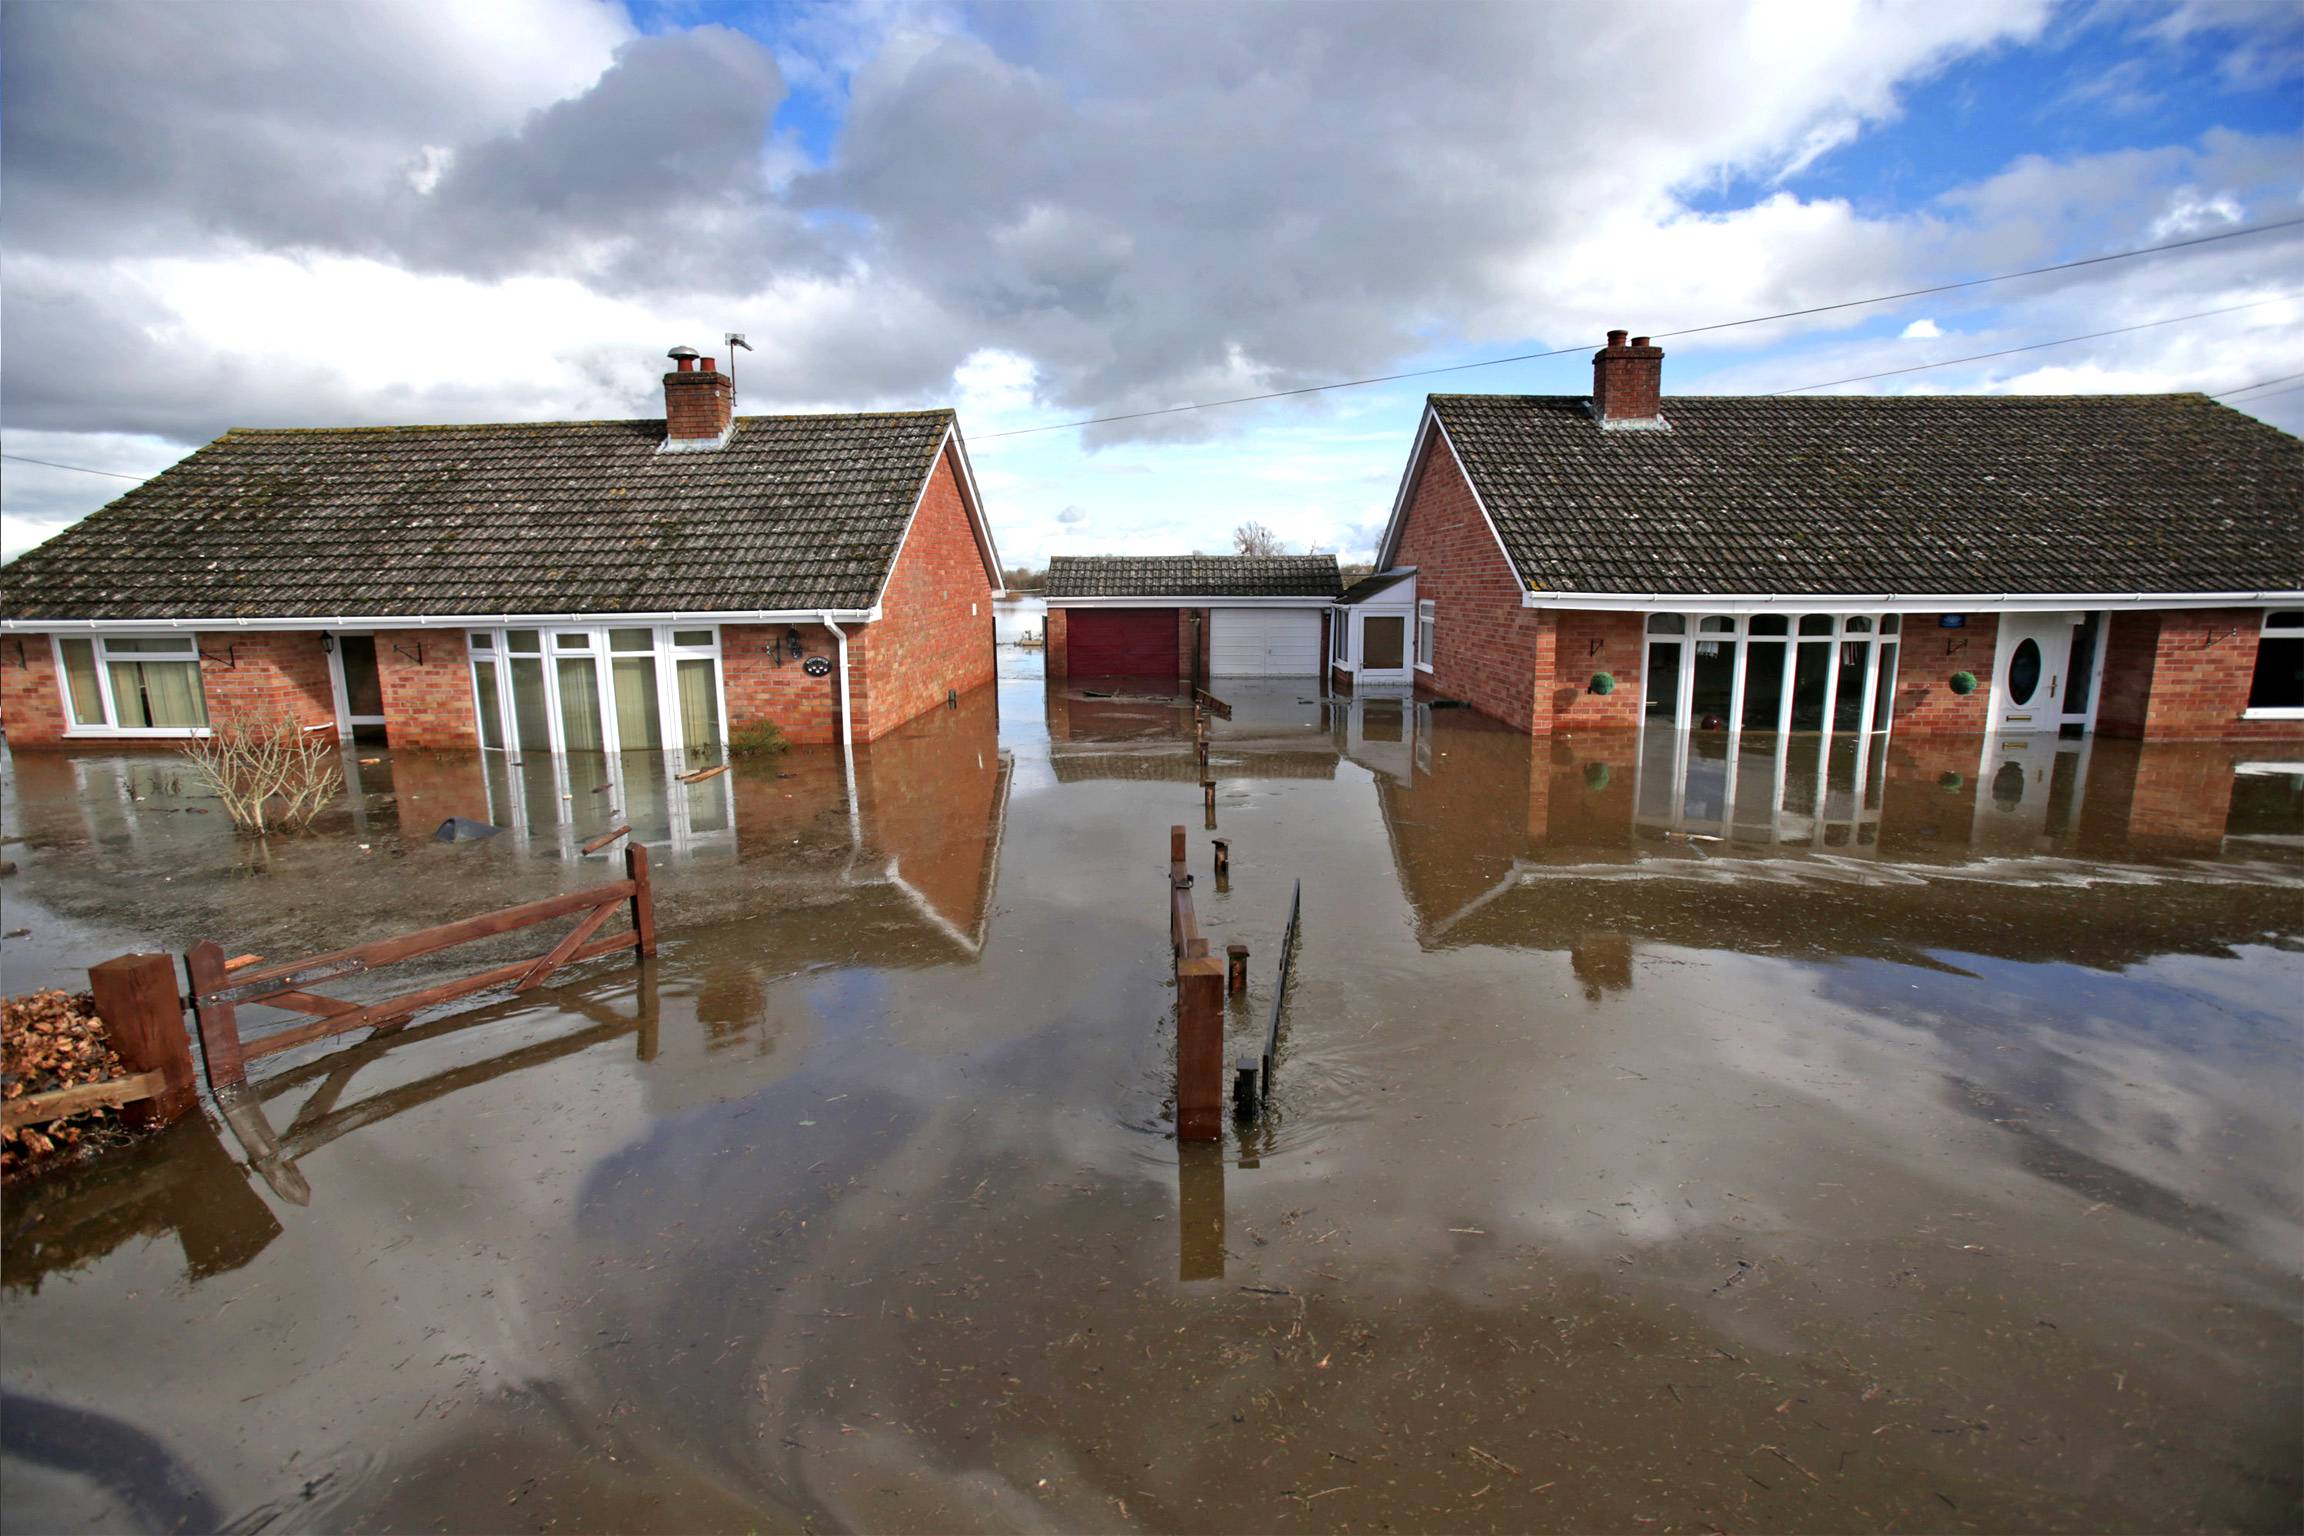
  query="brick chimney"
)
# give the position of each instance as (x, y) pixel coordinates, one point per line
(699, 403)
(1628, 383)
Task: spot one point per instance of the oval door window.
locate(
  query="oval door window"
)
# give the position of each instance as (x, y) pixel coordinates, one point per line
(2024, 672)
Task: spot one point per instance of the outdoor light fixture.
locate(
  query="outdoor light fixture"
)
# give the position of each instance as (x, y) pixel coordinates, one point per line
(328, 642)
(792, 643)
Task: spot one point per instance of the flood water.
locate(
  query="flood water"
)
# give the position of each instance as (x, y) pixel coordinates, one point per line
(1825, 1135)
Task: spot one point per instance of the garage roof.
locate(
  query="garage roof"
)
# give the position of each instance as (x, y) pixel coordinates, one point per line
(1189, 576)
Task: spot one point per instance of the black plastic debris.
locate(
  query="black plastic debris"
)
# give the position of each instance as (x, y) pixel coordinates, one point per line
(463, 829)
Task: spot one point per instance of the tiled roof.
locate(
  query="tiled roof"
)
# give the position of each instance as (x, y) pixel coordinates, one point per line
(1907, 494)
(1374, 582)
(1193, 576)
(548, 517)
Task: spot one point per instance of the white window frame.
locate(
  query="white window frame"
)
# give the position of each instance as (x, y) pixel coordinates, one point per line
(662, 650)
(2290, 631)
(108, 731)
(1427, 631)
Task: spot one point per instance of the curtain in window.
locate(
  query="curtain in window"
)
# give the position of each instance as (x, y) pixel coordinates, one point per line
(491, 705)
(639, 720)
(579, 705)
(80, 677)
(529, 718)
(699, 702)
(158, 695)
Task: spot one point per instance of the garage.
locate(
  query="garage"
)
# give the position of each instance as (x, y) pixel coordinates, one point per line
(1264, 642)
(1123, 642)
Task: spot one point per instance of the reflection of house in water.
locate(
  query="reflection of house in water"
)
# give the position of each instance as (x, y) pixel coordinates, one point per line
(1822, 846)
(1277, 731)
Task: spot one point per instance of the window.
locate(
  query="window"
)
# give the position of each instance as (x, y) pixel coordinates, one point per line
(1427, 627)
(1383, 642)
(621, 688)
(2277, 690)
(1339, 630)
(132, 684)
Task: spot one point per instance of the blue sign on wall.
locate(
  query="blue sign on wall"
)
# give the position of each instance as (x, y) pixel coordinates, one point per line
(1951, 621)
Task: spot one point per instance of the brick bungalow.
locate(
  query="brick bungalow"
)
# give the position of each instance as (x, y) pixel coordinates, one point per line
(2125, 564)
(1189, 616)
(535, 586)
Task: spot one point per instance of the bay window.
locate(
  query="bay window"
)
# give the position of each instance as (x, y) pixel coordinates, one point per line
(121, 685)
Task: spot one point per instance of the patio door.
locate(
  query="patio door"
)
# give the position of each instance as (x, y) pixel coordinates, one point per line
(2029, 674)
(1383, 651)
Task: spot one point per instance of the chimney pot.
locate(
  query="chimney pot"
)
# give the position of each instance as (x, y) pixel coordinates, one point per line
(1616, 338)
(1638, 341)
(711, 365)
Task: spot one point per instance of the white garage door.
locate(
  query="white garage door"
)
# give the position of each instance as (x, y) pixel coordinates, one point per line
(1264, 642)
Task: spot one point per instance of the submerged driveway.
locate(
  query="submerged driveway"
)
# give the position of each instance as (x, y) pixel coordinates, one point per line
(1677, 1133)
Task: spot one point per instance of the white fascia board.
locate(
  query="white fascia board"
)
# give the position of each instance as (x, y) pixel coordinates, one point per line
(974, 508)
(1901, 602)
(363, 621)
(1190, 602)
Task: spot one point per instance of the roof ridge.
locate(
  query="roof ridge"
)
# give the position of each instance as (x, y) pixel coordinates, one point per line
(598, 421)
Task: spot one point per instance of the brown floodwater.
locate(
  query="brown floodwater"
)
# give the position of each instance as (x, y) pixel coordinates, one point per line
(1668, 1134)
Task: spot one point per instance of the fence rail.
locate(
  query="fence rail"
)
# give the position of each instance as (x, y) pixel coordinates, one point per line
(1280, 991)
(218, 993)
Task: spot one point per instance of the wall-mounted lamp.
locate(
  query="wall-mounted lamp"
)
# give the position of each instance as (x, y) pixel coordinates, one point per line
(327, 642)
(792, 644)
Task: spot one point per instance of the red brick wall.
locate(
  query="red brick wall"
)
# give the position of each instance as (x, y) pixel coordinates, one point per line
(2131, 649)
(1588, 641)
(2183, 674)
(253, 677)
(937, 636)
(427, 703)
(1926, 658)
(1487, 649)
(31, 703)
(806, 709)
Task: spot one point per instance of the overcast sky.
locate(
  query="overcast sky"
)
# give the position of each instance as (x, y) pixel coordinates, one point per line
(287, 214)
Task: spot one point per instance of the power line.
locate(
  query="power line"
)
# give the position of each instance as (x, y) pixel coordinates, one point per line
(1692, 330)
(2259, 384)
(2276, 394)
(2061, 341)
(82, 468)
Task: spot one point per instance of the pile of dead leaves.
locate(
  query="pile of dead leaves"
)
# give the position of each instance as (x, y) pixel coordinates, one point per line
(52, 1040)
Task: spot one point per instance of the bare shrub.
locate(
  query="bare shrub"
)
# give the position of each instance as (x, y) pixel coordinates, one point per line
(270, 773)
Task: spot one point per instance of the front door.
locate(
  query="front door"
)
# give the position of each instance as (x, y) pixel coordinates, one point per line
(2028, 678)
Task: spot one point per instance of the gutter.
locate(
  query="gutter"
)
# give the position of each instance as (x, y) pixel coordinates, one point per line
(1903, 602)
(363, 621)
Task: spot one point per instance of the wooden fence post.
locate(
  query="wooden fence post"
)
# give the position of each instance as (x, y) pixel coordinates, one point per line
(219, 1022)
(1235, 968)
(1199, 1045)
(144, 1019)
(643, 896)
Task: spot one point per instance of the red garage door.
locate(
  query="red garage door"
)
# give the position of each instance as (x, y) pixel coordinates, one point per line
(1122, 642)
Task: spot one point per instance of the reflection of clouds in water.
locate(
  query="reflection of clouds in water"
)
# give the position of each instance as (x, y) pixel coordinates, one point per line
(2180, 1073)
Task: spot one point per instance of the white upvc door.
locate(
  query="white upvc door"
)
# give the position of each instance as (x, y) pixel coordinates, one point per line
(2028, 673)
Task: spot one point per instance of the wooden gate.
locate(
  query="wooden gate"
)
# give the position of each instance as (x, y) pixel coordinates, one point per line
(218, 994)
